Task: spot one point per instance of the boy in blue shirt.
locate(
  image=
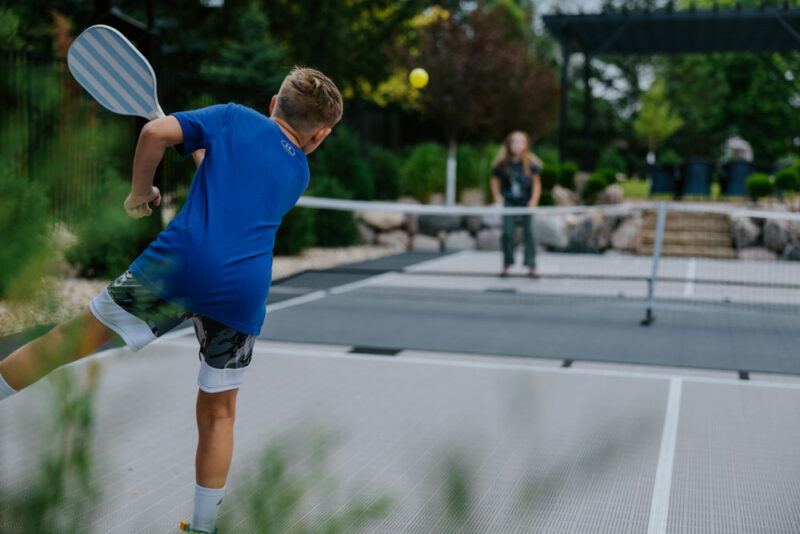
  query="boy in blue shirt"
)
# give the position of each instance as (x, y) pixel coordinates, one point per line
(213, 262)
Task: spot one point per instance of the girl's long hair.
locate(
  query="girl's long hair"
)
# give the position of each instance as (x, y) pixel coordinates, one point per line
(503, 157)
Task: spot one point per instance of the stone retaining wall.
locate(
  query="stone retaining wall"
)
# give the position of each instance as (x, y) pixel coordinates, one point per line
(590, 232)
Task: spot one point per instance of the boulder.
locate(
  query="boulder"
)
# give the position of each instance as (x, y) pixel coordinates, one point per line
(393, 239)
(472, 197)
(489, 239)
(433, 224)
(473, 223)
(757, 253)
(791, 252)
(425, 243)
(580, 235)
(412, 219)
(613, 194)
(745, 231)
(437, 199)
(492, 221)
(383, 220)
(551, 231)
(580, 179)
(604, 228)
(459, 240)
(367, 234)
(565, 197)
(626, 236)
(776, 235)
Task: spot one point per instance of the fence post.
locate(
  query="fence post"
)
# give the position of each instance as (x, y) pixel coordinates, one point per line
(649, 318)
(28, 55)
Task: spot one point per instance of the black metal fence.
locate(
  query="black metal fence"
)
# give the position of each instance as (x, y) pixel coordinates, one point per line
(53, 134)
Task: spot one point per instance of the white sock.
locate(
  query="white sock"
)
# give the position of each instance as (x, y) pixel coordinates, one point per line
(5, 389)
(206, 507)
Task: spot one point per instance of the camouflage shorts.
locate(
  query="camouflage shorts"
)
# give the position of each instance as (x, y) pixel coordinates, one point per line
(140, 317)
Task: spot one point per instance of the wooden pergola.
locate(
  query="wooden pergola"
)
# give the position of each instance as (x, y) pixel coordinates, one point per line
(742, 30)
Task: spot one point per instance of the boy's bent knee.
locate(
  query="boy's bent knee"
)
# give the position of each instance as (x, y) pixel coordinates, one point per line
(216, 406)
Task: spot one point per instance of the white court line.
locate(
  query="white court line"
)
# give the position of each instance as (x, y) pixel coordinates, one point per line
(466, 363)
(659, 506)
(691, 270)
(303, 299)
(432, 263)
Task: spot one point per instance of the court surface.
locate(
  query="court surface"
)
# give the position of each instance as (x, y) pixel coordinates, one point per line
(532, 409)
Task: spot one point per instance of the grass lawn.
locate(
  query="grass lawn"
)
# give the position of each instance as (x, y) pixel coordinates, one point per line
(641, 189)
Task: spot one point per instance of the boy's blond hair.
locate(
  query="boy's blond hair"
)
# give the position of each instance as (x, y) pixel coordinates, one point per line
(308, 100)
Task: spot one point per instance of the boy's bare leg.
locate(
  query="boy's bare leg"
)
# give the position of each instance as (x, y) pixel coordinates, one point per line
(78, 337)
(215, 416)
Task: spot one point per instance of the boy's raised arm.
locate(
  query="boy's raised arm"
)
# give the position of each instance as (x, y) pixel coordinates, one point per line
(154, 139)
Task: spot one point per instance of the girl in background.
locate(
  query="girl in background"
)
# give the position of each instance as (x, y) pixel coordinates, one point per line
(516, 182)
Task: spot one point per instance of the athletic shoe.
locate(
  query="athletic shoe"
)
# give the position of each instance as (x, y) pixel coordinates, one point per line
(504, 272)
(186, 527)
(534, 272)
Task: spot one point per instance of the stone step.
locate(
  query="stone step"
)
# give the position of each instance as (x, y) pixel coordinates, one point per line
(690, 221)
(682, 225)
(691, 251)
(719, 239)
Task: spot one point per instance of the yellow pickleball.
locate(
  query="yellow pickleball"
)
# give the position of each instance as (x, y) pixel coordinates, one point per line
(418, 78)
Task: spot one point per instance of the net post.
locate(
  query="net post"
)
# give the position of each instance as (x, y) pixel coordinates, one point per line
(649, 318)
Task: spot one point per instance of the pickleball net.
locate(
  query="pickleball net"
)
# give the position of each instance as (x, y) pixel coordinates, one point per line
(649, 253)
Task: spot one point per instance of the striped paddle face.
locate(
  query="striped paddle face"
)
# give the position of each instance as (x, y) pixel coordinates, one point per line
(110, 68)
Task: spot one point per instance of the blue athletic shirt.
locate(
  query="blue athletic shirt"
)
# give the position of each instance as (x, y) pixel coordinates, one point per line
(215, 257)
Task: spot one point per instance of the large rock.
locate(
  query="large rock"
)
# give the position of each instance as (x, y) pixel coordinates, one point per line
(473, 223)
(383, 220)
(459, 240)
(565, 197)
(425, 243)
(489, 239)
(367, 234)
(626, 236)
(794, 231)
(412, 219)
(492, 221)
(745, 231)
(613, 194)
(791, 252)
(581, 235)
(603, 230)
(472, 197)
(433, 224)
(776, 235)
(757, 253)
(551, 231)
(393, 238)
(437, 199)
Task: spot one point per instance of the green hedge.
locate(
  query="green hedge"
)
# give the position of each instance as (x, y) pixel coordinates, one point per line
(473, 167)
(607, 174)
(108, 239)
(384, 168)
(788, 180)
(333, 228)
(23, 225)
(550, 177)
(759, 185)
(342, 156)
(566, 175)
(593, 187)
(423, 171)
(296, 232)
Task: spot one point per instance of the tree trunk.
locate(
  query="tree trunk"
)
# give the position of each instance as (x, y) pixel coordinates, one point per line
(451, 173)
